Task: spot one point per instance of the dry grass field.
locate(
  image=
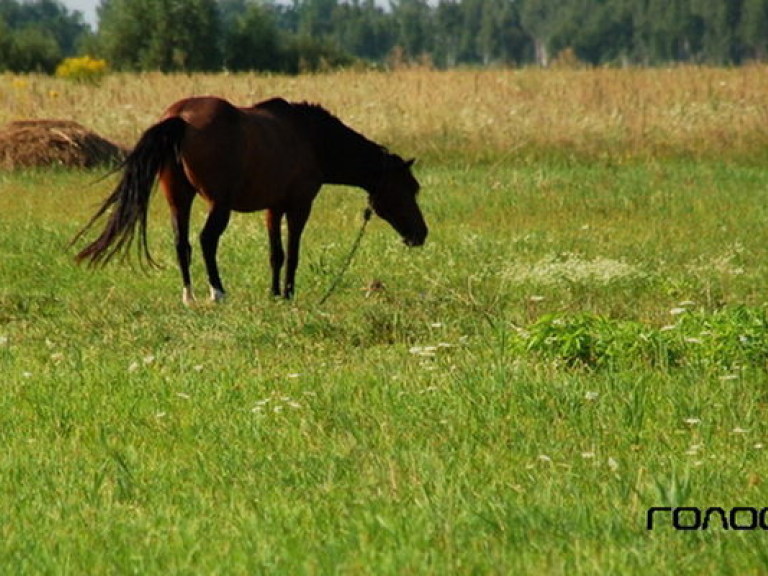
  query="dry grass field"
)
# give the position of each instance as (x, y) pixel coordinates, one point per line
(469, 114)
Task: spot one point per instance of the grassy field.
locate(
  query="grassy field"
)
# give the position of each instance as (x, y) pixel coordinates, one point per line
(584, 336)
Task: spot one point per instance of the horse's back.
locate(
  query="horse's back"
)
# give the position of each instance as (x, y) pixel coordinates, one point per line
(248, 156)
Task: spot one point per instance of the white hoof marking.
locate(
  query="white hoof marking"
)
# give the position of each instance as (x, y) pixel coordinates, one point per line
(216, 295)
(187, 297)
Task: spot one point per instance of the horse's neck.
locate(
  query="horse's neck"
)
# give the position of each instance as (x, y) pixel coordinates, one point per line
(348, 158)
(352, 167)
(349, 175)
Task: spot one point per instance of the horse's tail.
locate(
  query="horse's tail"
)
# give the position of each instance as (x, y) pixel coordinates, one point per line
(129, 202)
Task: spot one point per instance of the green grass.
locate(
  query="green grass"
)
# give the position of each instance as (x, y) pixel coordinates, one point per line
(576, 343)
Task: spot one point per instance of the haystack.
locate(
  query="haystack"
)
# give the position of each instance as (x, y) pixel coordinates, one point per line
(28, 143)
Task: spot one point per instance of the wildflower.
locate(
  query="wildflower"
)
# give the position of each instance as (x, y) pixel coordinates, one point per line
(591, 396)
(133, 367)
(543, 458)
(587, 455)
(739, 430)
(83, 69)
(692, 421)
(613, 465)
(423, 350)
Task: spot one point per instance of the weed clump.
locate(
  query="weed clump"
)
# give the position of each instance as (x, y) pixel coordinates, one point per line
(726, 340)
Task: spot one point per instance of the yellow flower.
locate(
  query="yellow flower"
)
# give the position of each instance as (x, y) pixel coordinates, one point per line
(82, 69)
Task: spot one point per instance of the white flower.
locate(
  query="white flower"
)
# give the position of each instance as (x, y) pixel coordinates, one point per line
(739, 430)
(591, 396)
(692, 421)
(613, 465)
(543, 458)
(587, 455)
(428, 351)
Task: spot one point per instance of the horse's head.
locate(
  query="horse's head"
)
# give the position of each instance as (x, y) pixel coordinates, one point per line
(393, 198)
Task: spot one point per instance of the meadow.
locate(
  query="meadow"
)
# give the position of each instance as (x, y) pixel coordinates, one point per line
(583, 337)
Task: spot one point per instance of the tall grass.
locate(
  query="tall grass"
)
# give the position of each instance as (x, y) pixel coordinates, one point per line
(610, 113)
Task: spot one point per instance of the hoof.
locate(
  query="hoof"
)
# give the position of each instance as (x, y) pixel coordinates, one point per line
(217, 295)
(187, 297)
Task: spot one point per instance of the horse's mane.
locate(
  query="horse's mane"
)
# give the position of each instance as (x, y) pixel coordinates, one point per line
(330, 135)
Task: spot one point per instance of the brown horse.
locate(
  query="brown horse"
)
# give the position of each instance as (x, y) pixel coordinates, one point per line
(274, 156)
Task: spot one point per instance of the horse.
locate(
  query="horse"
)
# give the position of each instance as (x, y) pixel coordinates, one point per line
(273, 156)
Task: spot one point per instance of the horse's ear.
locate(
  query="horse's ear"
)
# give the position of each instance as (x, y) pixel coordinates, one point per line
(410, 162)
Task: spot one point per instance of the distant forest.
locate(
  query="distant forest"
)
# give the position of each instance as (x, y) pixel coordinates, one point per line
(238, 35)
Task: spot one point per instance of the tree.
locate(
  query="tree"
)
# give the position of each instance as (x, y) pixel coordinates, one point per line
(413, 26)
(539, 19)
(160, 34)
(252, 41)
(35, 35)
(754, 28)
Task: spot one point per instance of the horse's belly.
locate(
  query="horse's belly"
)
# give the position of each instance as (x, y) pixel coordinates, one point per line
(252, 200)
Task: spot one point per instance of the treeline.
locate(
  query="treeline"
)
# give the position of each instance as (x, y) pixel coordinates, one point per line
(210, 35)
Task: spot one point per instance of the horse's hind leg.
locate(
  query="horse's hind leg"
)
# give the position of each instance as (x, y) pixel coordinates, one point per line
(179, 193)
(217, 221)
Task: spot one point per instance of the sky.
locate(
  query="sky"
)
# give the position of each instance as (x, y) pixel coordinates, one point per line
(87, 7)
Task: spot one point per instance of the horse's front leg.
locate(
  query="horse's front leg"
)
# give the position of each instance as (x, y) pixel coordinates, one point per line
(276, 254)
(296, 218)
(218, 218)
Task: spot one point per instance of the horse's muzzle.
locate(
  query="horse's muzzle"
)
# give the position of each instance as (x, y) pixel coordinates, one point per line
(416, 240)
